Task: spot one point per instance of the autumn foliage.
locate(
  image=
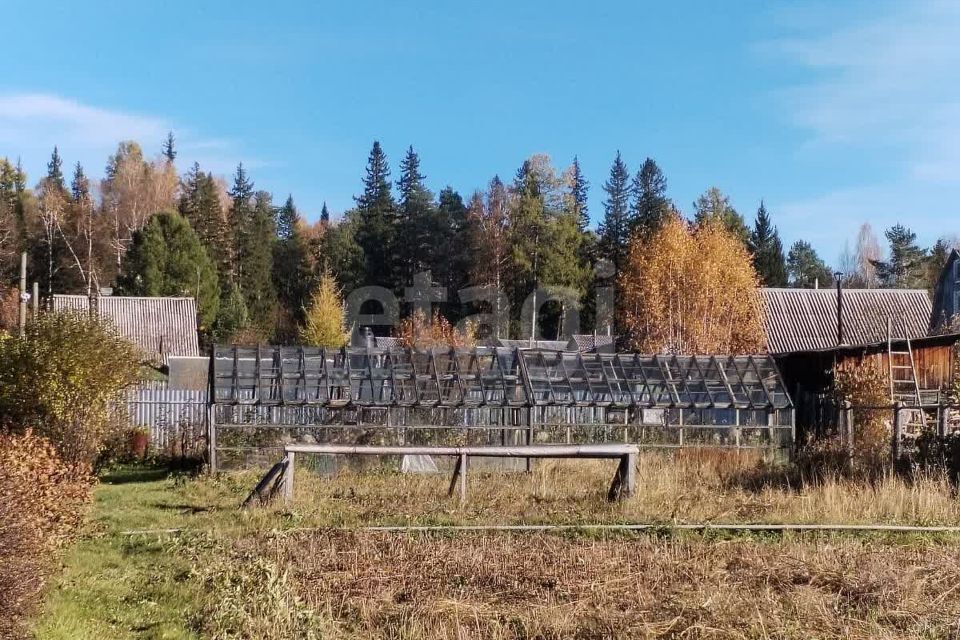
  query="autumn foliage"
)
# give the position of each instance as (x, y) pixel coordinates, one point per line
(690, 289)
(42, 500)
(416, 332)
(323, 324)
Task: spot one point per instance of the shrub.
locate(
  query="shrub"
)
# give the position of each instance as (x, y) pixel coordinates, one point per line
(42, 500)
(61, 378)
(867, 386)
(416, 332)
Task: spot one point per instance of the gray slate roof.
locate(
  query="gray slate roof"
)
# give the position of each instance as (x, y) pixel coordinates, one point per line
(161, 327)
(589, 343)
(806, 319)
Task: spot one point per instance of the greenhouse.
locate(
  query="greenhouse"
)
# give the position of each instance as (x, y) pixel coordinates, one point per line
(264, 397)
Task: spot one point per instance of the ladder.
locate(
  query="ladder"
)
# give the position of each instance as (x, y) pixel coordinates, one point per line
(904, 384)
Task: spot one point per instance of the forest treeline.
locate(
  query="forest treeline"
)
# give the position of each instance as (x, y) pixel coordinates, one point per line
(253, 262)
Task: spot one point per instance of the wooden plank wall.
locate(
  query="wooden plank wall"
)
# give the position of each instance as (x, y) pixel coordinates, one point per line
(934, 364)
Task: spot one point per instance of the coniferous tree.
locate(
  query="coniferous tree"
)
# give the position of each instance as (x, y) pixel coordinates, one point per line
(325, 214)
(323, 324)
(614, 231)
(578, 194)
(256, 272)
(906, 267)
(232, 316)
(449, 262)
(650, 203)
(240, 218)
(805, 268)
(169, 151)
(339, 250)
(768, 259)
(416, 239)
(55, 170)
(292, 269)
(526, 237)
(714, 205)
(377, 217)
(200, 205)
(167, 259)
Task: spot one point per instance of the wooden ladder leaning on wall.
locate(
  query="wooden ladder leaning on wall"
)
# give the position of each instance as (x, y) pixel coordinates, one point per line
(904, 383)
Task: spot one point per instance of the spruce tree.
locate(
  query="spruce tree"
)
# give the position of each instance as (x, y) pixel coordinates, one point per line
(292, 276)
(377, 218)
(614, 231)
(325, 214)
(55, 170)
(906, 267)
(578, 193)
(169, 151)
(240, 218)
(449, 262)
(167, 259)
(416, 221)
(650, 207)
(767, 250)
(256, 272)
(200, 205)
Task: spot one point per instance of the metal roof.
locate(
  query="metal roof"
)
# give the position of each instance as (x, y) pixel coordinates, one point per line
(556, 345)
(589, 342)
(160, 326)
(491, 377)
(806, 319)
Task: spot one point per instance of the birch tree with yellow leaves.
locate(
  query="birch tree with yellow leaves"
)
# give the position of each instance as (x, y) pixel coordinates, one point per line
(691, 289)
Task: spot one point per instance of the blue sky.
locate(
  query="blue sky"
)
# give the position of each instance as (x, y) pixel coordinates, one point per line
(833, 113)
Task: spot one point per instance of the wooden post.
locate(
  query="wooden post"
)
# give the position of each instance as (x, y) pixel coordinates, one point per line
(35, 300)
(23, 293)
(736, 431)
(943, 421)
(530, 436)
(212, 435)
(681, 425)
(288, 478)
(897, 432)
(459, 479)
(625, 481)
(848, 427)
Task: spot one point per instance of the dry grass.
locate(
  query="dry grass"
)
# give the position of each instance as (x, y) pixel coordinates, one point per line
(377, 585)
(688, 487)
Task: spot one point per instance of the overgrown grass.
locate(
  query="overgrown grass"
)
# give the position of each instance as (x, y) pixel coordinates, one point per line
(291, 572)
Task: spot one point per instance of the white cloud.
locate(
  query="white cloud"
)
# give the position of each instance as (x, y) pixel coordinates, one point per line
(882, 89)
(32, 123)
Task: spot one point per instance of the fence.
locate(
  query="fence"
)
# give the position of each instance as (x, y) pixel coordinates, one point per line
(905, 423)
(175, 418)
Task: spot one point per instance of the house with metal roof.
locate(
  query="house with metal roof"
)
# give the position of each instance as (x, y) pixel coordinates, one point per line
(162, 327)
(816, 319)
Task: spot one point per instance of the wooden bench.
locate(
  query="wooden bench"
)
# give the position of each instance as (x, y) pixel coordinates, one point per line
(623, 485)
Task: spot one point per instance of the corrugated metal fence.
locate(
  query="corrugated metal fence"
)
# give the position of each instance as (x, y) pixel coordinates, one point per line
(175, 418)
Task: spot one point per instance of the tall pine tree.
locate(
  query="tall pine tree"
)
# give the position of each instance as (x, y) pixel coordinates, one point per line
(906, 267)
(767, 250)
(807, 270)
(650, 207)
(169, 150)
(578, 194)
(377, 218)
(614, 231)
